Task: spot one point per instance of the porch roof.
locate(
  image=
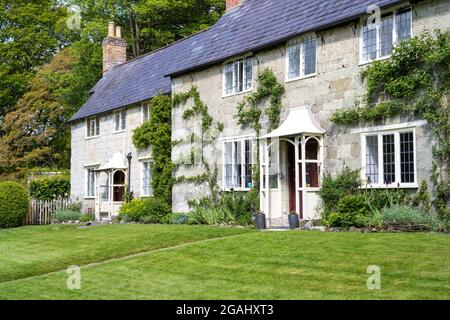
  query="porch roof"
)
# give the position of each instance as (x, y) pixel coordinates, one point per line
(116, 162)
(299, 121)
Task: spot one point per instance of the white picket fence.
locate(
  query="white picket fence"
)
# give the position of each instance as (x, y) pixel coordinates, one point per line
(41, 212)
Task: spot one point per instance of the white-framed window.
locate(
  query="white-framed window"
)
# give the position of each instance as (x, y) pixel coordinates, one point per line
(90, 183)
(301, 57)
(378, 40)
(146, 179)
(238, 164)
(389, 158)
(145, 112)
(238, 76)
(92, 127)
(120, 120)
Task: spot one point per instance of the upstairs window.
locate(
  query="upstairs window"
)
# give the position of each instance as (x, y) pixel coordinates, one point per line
(92, 127)
(378, 40)
(302, 57)
(120, 120)
(238, 156)
(390, 158)
(238, 76)
(145, 109)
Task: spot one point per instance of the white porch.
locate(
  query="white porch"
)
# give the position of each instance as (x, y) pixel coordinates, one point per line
(291, 168)
(110, 188)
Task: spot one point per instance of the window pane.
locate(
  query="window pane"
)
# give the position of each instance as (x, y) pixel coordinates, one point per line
(403, 24)
(237, 164)
(294, 61)
(228, 165)
(386, 27)
(309, 66)
(372, 159)
(239, 80)
(369, 44)
(389, 158)
(117, 121)
(146, 179)
(248, 73)
(145, 112)
(88, 128)
(229, 70)
(97, 126)
(312, 175)
(91, 183)
(312, 149)
(407, 157)
(248, 164)
(123, 116)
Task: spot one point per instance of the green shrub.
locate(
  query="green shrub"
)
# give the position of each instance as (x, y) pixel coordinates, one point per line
(176, 218)
(50, 188)
(87, 217)
(233, 208)
(405, 216)
(149, 210)
(66, 215)
(353, 211)
(334, 189)
(212, 216)
(13, 204)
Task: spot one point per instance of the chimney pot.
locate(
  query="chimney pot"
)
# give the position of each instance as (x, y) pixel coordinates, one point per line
(119, 32)
(230, 4)
(111, 32)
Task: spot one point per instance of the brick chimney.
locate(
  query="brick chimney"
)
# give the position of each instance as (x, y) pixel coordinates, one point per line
(233, 3)
(114, 48)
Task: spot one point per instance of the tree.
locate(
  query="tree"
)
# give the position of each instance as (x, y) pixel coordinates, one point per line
(30, 34)
(36, 131)
(151, 24)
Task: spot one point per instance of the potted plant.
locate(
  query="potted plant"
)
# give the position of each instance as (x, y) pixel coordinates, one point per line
(260, 220)
(294, 221)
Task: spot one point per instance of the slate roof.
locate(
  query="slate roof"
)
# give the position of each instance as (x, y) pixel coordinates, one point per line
(253, 26)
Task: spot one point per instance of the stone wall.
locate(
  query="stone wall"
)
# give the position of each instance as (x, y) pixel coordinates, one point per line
(335, 87)
(93, 151)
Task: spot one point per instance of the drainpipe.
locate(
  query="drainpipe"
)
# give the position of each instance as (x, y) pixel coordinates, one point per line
(129, 157)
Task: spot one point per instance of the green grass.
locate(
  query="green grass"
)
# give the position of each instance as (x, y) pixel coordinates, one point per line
(253, 265)
(31, 251)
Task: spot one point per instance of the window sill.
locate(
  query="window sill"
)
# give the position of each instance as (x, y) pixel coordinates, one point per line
(236, 94)
(392, 186)
(121, 131)
(362, 63)
(89, 198)
(92, 138)
(146, 196)
(301, 78)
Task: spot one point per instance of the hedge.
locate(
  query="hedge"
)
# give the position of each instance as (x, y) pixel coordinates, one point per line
(13, 204)
(50, 188)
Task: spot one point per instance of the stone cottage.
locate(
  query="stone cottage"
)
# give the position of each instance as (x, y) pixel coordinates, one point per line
(316, 49)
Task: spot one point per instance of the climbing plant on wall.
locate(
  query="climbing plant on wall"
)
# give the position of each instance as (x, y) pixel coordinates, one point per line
(199, 108)
(414, 81)
(249, 112)
(156, 132)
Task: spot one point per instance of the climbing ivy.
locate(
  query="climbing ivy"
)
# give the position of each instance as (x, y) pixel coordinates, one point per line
(201, 109)
(249, 113)
(414, 81)
(156, 132)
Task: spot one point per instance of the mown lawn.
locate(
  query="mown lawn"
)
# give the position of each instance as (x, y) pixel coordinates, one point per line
(31, 251)
(254, 265)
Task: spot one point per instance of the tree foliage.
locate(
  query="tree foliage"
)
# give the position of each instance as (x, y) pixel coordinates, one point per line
(31, 32)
